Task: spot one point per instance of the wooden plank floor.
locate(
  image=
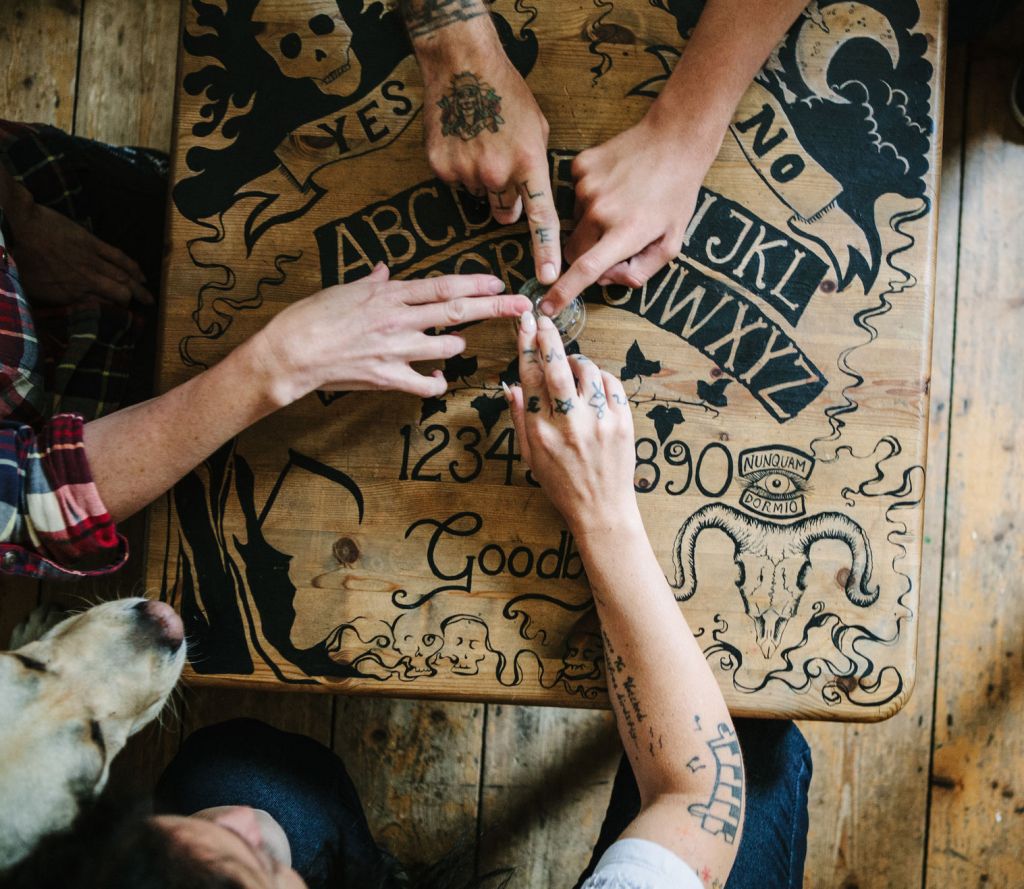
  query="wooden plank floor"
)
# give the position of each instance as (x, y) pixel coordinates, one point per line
(932, 798)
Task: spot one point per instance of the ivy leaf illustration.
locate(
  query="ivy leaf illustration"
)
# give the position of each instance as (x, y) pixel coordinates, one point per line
(432, 406)
(459, 367)
(665, 420)
(713, 393)
(489, 409)
(637, 364)
(327, 398)
(510, 374)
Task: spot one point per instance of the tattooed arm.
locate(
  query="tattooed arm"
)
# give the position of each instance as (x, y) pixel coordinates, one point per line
(674, 723)
(484, 128)
(635, 194)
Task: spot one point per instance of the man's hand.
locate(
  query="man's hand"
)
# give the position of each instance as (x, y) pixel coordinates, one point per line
(366, 334)
(61, 263)
(484, 129)
(635, 195)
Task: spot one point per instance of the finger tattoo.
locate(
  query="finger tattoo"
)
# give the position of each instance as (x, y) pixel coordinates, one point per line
(533, 404)
(525, 186)
(598, 401)
(563, 407)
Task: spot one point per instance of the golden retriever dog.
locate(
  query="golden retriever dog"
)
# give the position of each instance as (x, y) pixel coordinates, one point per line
(68, 703)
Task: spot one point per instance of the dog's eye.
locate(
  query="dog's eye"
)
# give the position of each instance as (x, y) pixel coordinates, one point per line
(30, 663)
(96, 733)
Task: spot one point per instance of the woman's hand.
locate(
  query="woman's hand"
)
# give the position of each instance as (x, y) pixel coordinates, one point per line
(635, 195)
(365, 335)
(575, 429)
(61, 263)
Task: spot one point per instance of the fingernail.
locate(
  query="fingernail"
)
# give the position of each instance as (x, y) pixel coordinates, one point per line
(548, 273)
(497, 285)
(545, 322)
(508, 392)
(546, 308)
(527, 322)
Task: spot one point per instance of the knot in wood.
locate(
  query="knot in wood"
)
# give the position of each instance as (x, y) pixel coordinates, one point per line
(345, 550)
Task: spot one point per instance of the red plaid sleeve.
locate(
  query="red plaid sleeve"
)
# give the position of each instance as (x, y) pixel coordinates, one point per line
(21, 389)
(53, 523)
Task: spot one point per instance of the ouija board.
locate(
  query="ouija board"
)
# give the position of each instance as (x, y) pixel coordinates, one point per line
(777, 368)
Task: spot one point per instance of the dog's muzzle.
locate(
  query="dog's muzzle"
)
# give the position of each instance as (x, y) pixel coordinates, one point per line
(161, 622)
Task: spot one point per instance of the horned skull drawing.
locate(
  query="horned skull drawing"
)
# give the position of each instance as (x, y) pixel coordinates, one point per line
(773, 562)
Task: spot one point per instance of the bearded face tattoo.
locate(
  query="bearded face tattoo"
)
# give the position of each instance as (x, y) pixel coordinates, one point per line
(470, 107)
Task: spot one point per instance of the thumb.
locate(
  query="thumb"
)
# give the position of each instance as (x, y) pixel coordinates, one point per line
(380, 273)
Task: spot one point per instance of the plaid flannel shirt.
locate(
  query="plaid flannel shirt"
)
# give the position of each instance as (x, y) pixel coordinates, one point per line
(53, 523)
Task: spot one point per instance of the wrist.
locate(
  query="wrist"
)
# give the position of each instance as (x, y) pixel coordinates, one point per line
(694, 132)
(272, 378)
(616, 521)
(468, 43)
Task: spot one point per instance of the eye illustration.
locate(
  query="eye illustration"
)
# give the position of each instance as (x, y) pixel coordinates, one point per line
(774, 481)
(775, 485)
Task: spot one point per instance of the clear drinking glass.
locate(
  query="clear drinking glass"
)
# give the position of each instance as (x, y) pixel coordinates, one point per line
(569, 322)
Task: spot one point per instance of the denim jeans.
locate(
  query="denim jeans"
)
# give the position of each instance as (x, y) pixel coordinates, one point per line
(305, 787)
(773, 845)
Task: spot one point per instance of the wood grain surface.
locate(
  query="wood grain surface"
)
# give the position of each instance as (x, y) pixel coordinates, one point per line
(778, 369)
(856, 807)
(977, 811)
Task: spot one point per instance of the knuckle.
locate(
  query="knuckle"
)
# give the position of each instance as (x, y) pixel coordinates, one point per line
(589, 265)
(443, 287)
(493, 178)
(541, 216)
(455, 311)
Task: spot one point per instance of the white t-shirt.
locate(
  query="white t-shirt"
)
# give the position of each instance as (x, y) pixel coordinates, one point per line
(641, 864)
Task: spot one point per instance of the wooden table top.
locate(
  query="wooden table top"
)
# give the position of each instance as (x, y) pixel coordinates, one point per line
(778, 368)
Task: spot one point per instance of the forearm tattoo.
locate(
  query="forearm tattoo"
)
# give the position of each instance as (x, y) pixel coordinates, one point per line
(624, 692)
(470, 107)
(720, 815)
(426, 16)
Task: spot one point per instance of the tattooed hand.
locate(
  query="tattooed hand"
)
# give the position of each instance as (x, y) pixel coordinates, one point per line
(575, 428)
(364, 335)
(635, 195)
(484, 129)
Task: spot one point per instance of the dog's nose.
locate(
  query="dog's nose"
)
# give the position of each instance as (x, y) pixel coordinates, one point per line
(165, 621)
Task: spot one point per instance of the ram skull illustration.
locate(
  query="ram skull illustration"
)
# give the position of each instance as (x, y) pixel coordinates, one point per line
(773, 561)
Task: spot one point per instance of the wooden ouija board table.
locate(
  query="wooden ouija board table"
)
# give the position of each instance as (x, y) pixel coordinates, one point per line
(778, 368)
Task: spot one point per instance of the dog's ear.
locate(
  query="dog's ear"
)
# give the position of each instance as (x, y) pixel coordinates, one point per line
(114, 734)
(39, 622)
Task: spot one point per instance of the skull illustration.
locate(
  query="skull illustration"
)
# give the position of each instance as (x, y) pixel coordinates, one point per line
(309, 39)
(466, 643)
(414, 646)
(583, 653)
